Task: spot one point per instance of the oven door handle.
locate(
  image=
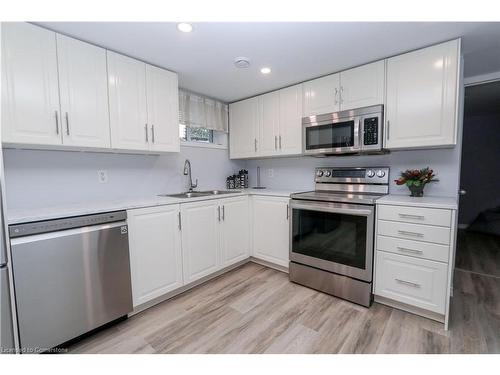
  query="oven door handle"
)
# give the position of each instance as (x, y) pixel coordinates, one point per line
(348, 209)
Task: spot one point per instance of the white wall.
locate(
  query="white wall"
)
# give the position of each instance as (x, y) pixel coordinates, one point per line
(45, 178)
(298, 173)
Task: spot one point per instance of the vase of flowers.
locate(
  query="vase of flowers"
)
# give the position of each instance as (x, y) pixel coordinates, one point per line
(416, 179)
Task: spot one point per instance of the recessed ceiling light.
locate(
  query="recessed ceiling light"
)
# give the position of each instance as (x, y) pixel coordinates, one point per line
(185, 27)
(242, 62)
(265, 70)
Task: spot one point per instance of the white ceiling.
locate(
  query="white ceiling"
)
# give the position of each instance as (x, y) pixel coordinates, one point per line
(295, 51)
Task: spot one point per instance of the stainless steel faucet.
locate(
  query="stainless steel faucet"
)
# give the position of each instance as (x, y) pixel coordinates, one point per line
(187, 172)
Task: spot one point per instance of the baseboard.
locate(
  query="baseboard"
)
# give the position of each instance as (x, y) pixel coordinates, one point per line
(266, 263)
(412, 309)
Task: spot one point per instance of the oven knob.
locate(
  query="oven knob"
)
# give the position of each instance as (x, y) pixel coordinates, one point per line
(328, 173)
(380, 173)
(319, 173)
(370, 173)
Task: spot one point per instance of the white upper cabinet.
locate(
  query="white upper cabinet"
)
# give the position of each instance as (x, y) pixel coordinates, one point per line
(30, 93)
(269, 123)
(322, 95)
(155, 252)
(362, 86)
(127, 103)
(422, 91)
(244, 128)
(290, 134)
(163, 109)
(84, 93)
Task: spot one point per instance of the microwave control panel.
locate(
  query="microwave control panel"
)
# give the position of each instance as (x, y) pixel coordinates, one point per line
(370, 133)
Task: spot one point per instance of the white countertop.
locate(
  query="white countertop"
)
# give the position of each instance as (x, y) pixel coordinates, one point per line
(450, 203)
(25, 215)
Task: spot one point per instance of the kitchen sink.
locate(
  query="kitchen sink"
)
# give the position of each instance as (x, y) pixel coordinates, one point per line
(195, 194)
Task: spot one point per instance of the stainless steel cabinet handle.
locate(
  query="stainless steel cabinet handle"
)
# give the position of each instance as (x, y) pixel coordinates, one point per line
(57, 121)
(407, 250)
(67, 123)
(218, 213)
(412, 216)
(407, 233)
(280, 141)
(275, 142)
(223, 213)
(146, 132)
(180, 222)
(415, 285)
(153, 133)
(287, 212)
(341, 94)
(388, 129)
(255, 143)
(336, 95)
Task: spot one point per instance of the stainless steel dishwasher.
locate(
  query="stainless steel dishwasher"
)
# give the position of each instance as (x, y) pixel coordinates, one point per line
(70, 276)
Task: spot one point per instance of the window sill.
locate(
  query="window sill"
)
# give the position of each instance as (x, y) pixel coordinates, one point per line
(203, 145)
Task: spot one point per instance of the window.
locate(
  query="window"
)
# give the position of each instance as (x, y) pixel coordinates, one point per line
(201, 135)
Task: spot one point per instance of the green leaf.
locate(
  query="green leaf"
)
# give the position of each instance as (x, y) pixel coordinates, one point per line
(416, 183)
(409, 182)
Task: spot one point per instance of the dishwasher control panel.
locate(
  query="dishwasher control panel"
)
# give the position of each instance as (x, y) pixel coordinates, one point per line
(38, 227)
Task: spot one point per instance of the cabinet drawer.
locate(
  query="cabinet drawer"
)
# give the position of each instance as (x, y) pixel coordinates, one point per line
(417, 282)
(414, 232)
(418, 249)
(416, 215)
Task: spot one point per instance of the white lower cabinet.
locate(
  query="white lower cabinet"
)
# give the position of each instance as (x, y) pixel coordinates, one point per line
(235, 234)
(414, 262)
(155, 252)
(200, 239)
(270, 228)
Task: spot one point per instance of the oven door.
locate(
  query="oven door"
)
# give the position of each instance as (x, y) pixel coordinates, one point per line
(334, 237)
(326, 134)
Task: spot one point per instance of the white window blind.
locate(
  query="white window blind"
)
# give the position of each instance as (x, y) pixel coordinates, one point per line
(197, 111)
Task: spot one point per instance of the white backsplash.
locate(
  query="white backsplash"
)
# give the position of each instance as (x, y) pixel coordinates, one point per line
(47, 178)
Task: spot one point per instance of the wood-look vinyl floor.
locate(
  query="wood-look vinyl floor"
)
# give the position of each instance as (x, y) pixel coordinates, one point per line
(254, 309)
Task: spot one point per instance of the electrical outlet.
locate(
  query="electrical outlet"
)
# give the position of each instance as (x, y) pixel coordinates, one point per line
(270, 172)
(102, 176)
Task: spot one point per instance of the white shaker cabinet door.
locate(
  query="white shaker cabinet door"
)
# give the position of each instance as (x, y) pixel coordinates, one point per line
(362, 86)
(30, 94)
(163, 109)
(290, 131)
(155, 252)
(127, 103)
(235, 238)
(243, 131)
(84, 93)
(322, 95)
(269, 123)
(270, 222)
(200, 239)
(422, 88)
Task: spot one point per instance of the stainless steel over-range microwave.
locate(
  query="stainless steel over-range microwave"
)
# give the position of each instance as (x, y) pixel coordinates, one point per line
(347, 132)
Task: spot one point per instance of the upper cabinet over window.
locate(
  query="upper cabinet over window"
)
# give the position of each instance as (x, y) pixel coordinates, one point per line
(55, 95)
(354, 88)
(422, 97)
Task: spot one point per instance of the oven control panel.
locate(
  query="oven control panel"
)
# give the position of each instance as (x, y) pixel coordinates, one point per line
(370, 175)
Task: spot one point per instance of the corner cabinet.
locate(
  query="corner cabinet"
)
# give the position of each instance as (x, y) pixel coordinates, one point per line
(422, 97)
(155, 252)
(270, 228)
(267, 125)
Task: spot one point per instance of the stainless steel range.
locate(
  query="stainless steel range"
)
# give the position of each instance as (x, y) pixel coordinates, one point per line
(332, 230)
